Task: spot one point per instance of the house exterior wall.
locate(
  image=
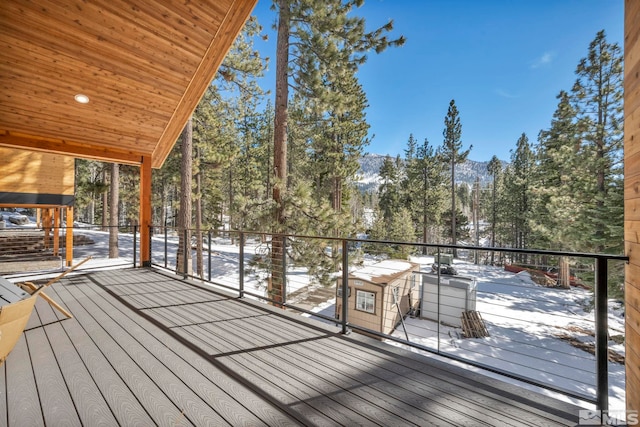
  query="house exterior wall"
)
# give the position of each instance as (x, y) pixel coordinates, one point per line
(632, 199)
(32, 178)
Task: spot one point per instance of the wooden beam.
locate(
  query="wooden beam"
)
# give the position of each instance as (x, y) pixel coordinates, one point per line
(76, 149)
(69, 235)
(145, 212)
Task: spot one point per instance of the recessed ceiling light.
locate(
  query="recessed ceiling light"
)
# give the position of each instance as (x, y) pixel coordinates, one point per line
(81, 98)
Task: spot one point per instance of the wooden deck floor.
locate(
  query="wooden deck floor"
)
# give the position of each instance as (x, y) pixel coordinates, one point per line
(147, 349)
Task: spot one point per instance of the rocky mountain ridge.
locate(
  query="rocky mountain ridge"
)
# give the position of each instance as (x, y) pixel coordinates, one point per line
(369, 178)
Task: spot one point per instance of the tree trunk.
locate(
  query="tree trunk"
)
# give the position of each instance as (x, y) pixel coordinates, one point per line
(114, 196)
(453, 203)
(493, 220)
(105, 202)
(276, 284)
(184, 214)
(425, 204)
(476, 218)
(91, 208)
(564, 275)
(336, 204)
(199, 260)
(230, 210)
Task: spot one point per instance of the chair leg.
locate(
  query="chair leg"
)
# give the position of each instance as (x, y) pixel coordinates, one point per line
(32, 287)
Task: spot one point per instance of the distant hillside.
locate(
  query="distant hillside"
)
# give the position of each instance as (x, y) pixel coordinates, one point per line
(466, 172)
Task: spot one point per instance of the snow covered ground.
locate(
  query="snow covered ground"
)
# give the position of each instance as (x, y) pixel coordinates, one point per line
(535, 332)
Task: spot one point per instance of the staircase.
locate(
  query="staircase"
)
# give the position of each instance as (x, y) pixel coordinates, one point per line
(25, 250)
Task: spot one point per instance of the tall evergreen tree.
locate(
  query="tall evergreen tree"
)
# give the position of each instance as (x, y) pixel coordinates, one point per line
(495, 169)
(518, 189)
(597, 97)
(90, 187)
(425, 175)
(326, 38)
(183, 254)
(408, 179)
(557, 180)
(114, 197)
(389, 191)
(451, 152)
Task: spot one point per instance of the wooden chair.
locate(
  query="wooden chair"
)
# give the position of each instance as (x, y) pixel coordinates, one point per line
(19, 301)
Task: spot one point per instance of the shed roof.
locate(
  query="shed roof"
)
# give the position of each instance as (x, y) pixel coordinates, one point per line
(144, 65)
(384, 272)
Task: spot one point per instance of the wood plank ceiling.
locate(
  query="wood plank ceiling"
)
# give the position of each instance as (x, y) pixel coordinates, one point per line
(143, 64)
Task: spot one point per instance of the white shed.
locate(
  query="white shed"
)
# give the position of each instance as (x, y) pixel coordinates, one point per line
(446, 303)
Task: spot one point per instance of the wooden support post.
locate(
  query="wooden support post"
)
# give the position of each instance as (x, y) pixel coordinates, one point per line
(145, 212)
(46, 225)
(56, 231)
(69, 240)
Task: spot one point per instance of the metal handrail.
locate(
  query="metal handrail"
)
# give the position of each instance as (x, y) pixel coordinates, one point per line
(600, 289)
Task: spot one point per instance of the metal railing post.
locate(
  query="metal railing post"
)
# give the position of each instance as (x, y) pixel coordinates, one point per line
(437, 263)
(241, 265)
(185, 255)
(602, 351)
(135, 246)
(166, 255)
(150, 244)
(284, 270)
(345, 288)
(209, 254)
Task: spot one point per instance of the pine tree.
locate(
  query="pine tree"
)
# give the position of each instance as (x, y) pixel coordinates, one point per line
(183, 254)
(597, 97)
(408, 180)
(389, 191)
(451, 152)
(462, 224)
(519, 192)
(114, 194)
(425, 185)
(495, 169)
(556, 182)
(401, 230)
(90, 186)
(327, 40)
(164, 189)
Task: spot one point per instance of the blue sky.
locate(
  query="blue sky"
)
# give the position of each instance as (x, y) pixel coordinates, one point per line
(504, 62)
